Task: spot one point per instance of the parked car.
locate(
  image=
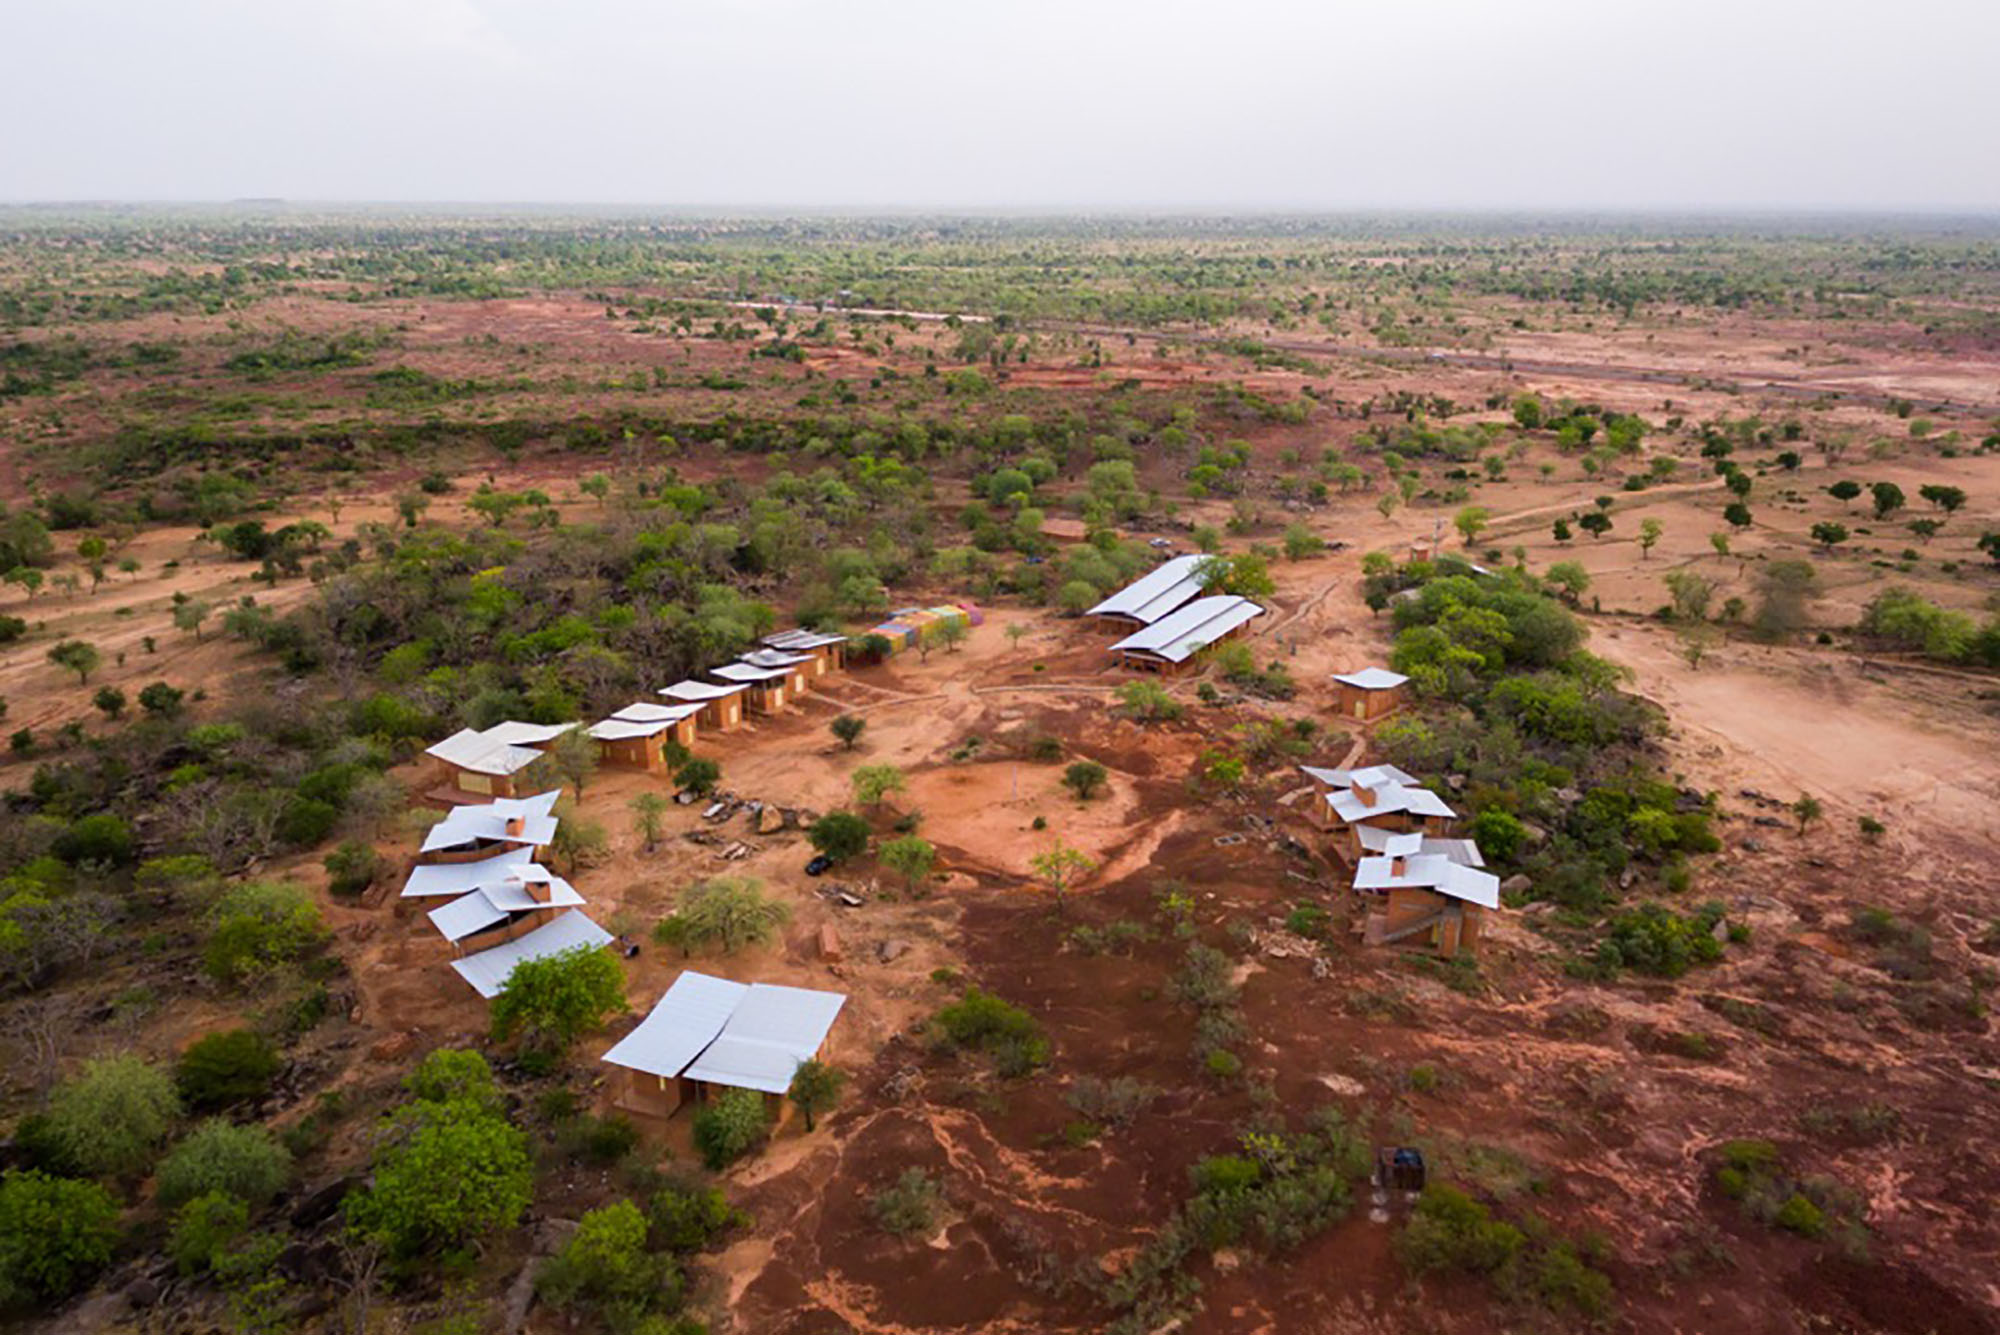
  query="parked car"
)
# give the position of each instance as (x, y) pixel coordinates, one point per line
(818, 866)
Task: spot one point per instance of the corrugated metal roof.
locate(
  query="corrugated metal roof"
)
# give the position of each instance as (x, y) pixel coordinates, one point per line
(701, 691)
(1389, 799)
(620, 730)
(803, 639)
(772, 1030)
(488, 970)
(771, 658)
(745, 673)
(481, 754)
(1192, 628)
(488, 821)
(645, 711)
(1157, 592)
(1429, 871)
(456, 878)
(1372, 679)
(686, 1019)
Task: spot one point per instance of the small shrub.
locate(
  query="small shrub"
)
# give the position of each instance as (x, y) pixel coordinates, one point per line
(909, 1206)
(226, 1068)
(1113, 1102)
(55, 1235)
(219, 1156)
(205, 1229)
(982, 1021)
(606, 1270)
(729, 1126)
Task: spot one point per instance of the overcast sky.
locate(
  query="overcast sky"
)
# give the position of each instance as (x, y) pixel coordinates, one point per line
(1022, 104)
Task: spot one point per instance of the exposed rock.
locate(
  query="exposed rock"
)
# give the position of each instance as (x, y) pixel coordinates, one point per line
(1569, 797)
(1751, 846)
(1720, 931)
(890, 951)
(142, 1293)
(393, 1048)
(320, 1203)
(1626, 877)
(1455, 782)
(1516, 884)
(769, 821)
(1534, 835)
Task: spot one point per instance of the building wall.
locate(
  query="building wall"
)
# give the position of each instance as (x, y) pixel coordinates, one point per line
(1352, 702)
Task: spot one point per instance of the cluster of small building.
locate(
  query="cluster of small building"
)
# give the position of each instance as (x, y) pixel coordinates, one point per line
(501, 905)
(1169, 617)
(1420, 884)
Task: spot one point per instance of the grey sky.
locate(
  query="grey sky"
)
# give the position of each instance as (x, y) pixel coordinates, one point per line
(1230, 104)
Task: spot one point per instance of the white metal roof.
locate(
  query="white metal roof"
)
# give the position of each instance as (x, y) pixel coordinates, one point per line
(620, 730)
(483, 753)
(1389, 799)
(770, 1032)
(456, 878)
(747, 673)
(488, 970)
(701, 692)
(803, 639)
(771, 658)
(1368, 776)
(645, 711)
(1157, 592)
(1375, 839)
(687, 1019)
(1372, 679)
(492, 905)
(488, 821)
(1429, 871)
(1192, 628)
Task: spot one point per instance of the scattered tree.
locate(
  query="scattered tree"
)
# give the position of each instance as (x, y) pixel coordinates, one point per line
(649, 813)
(552, 1001)
(1650, 531)
(729, 1126)
(815, 1088)
(848, 729)
(840, 835)
(873, 783)
(729, 912)
(911, 857)
(77, 656)
(1807, 810)
(1471, 522)
(1060, 869)
(1888, 498)
(1085, 778)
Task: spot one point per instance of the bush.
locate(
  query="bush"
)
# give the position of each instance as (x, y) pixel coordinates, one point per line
(260, 926)
(909, 1205)
(984, 1022)
(205, 1229)
(727, 912)
(451, 1075)
(55, 1235)
(606, 1270)
(352, 868)
(1451, 1231)
(840, 835)
(729, 1127)
(447, 1173)
(101, 840)
(553, 1001)
(602, 1141)
(218, 1156)
(687, 1218)
(226, 1068)
(1085, 778)
(110, 1118)
(1655, 940)
(1111, 1102)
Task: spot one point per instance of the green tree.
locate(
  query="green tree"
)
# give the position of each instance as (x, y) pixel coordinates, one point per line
(1844, 491)
(189, 615)
(1787, 590)
(55, 1235)
(1807, 810)
(1060, 868)
(1471, 522)
(848, 729)
(1829, 534)
(699, 776)
(649, 813)
(1737, 515)
(77, 656)
(552, 1001)
(1571, 578)
(1085, 778)
(1528, 412)
(1719, 541)
(1691, 594)
(815, 1088)
(242, 1161)
(161, 700)
(604, 1268)
(729, 1126)
(910, 857)
(1560, 530)
(1650, 532)
(574, 755)
(873, 783)
(840, 835)
(727, 911)
(1947, 499)
(1888, 498)
(226, 1067)
(109, 1119)
(28, 578)
(110, 701)
(446, 1175)
(260, 926)
(1594, 522)
(1148, 702)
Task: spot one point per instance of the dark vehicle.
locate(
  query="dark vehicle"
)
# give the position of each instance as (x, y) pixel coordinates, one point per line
(818, 866)
(1399, 1169)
